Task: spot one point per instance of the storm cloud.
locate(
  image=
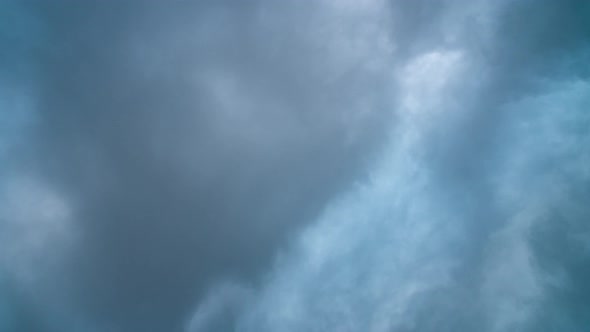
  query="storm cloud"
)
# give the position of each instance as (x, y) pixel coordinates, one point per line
(286, 166)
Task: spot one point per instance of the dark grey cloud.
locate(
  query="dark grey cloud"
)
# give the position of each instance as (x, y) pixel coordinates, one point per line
(187, 140)
(280, 166)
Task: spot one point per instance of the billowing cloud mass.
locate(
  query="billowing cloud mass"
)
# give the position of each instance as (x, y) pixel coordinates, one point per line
(329, 165)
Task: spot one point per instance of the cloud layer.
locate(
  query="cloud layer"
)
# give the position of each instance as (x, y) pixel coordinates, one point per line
(277, 166)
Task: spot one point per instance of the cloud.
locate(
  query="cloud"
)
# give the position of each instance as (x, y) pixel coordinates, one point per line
(358, 165)
(379, 251)
(219, 309)
(33, 215)
(412, 250)
(192, 139)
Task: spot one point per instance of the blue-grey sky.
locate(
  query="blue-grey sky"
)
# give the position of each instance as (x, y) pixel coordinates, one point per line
(265, 166)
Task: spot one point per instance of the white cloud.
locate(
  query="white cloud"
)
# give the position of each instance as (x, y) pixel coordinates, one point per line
(220, 307)
(377, 249)
(36, 224)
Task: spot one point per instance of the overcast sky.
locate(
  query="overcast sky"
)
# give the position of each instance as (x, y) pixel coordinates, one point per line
(284, 165)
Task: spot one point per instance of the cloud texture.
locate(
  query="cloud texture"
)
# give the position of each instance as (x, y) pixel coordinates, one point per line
(285, 166)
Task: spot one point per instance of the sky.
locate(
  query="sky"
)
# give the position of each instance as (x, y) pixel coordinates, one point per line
(265, 166)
